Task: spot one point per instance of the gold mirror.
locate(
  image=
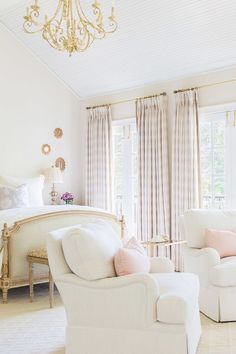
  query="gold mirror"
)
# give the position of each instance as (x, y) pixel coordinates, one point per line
(46, 149)
(58, 133)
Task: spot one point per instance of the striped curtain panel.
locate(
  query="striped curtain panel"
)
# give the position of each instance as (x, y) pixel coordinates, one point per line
(185, 163)
(99, 158)
(153, 201)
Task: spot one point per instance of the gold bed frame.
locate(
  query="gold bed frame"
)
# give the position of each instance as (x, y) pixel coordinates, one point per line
(6, 282)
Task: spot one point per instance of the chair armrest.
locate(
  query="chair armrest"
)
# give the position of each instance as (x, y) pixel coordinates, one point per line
(210, 254)
(110, 283)
(200, 262)
(161, 265)
(120, 302)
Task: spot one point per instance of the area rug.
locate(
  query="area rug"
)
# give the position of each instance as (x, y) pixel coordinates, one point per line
(34, 328)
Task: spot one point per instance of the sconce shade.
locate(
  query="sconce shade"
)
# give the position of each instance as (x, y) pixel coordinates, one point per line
(54, 175)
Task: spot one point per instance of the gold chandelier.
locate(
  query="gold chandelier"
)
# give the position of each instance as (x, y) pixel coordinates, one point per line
(69, 29)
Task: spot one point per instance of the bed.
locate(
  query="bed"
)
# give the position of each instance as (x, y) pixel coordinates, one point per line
(24, 229)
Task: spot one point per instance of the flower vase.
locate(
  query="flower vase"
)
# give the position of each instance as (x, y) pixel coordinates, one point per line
(69, 201)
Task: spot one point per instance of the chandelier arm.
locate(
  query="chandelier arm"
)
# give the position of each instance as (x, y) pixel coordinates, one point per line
(61, 49)
(81, 14)
(35, 12)
(74, 41)
(60, 4)
(54, 40)
(29, 19)
(99, 19)
(61, 19)
(72, 21)
(66, 12)
(85, 23)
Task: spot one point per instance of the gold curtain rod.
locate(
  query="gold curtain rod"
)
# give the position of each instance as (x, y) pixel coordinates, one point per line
(164, 93)
(187, 89)
(207, 85)
(124, 101)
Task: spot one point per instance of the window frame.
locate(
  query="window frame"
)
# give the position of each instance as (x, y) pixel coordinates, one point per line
(230, 147)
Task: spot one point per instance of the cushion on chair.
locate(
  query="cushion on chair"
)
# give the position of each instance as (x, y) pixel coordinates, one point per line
(223, 241)
(178, 297)
(131, 258)
(89, 250)
(161, 265)
(197, 220)
(224, 274)
(39, 253)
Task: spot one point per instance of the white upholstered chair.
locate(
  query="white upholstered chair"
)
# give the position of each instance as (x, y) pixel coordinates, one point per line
(217, 276)
(153, 313)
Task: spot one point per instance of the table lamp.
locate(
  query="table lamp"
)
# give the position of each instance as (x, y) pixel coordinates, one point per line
(54, 176)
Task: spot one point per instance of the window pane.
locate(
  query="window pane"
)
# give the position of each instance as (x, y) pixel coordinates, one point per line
(219, 132)
(219, 192)
(219, 161)
(213, 159)
(118, 161)
(219, 186)
(205, 129)
(118, 138)
(206, 161)
(206, 185)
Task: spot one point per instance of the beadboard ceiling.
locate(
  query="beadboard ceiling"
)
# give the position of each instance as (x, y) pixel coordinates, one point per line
(157, 40)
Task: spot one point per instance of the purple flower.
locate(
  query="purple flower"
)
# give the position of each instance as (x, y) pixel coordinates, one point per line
(67, 196)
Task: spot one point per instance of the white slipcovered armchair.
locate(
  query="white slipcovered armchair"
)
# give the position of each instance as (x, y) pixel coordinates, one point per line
(134, 314)
(217, 276)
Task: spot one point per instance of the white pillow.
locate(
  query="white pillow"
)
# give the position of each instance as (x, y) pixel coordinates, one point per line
(14, 197)
(35, 187)
(89, 250)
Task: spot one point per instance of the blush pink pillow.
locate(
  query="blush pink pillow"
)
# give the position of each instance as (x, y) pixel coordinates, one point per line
(222, 240)
(131, 259)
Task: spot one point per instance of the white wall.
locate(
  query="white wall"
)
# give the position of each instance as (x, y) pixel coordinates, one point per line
(220, 94)
(32, 104)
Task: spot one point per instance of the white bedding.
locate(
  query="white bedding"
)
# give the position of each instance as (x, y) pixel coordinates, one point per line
(10, 216)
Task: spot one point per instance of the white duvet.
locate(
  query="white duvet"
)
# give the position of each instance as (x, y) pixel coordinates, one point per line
(10, 216)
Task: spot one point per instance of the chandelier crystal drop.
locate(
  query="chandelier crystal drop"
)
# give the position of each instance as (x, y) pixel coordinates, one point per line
(69, 29)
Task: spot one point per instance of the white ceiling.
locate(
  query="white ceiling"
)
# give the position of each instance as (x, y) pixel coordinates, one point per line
(156, 40)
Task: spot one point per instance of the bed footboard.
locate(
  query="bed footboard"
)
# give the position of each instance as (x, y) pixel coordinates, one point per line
(27, 234)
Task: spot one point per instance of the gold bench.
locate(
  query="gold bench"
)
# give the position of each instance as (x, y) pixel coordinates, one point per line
(39, 256)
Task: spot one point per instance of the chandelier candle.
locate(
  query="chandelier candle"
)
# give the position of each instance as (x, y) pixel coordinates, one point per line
(69, 29)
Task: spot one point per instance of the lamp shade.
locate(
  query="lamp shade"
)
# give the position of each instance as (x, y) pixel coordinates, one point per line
(54, 175)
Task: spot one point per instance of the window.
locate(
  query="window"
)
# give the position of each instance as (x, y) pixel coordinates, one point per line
(217, 143)
(125, 171)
